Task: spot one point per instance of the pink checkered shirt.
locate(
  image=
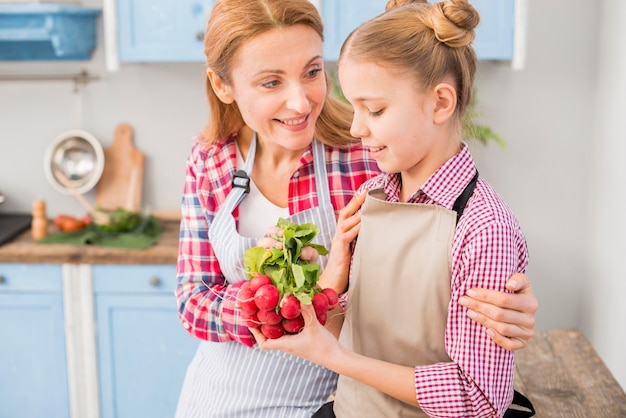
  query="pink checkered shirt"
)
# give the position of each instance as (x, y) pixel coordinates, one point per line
(488, 247)
(206, 303)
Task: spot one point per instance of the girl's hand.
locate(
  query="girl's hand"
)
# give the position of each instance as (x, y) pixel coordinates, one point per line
(313, 343)
(336, 273)
(508, 317)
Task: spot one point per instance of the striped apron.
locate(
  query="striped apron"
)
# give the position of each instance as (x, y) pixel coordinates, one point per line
(232, 380)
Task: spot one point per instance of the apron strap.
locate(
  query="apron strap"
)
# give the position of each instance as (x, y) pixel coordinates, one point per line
(461, 201)
(241, 180)
(520, 401)
(321, 177)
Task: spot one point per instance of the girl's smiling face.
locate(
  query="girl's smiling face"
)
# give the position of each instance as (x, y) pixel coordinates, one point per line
(395, 119)
(279, 85)
(390, 115)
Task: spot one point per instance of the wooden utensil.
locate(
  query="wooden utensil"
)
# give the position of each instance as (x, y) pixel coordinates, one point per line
(122, 178)
(98, 217)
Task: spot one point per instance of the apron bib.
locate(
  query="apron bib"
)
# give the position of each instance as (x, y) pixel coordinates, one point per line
(229, 245)
(232, 380)
(401, 272)
(400, 295)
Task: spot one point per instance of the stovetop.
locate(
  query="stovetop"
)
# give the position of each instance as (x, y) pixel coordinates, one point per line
(12, 224)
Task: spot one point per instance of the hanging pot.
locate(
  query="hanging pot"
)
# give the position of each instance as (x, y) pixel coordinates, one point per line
(79, 157)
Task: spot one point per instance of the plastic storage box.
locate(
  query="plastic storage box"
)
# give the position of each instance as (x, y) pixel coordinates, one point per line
(47, 32)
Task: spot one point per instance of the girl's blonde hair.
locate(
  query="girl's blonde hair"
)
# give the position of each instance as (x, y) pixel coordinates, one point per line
(432, 41)
(231, 24)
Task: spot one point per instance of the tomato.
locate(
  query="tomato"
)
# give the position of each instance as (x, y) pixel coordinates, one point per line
(72, 224)
(59, 220)
(67, 223)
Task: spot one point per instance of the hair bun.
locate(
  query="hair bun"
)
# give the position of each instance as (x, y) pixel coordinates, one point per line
(453, 22)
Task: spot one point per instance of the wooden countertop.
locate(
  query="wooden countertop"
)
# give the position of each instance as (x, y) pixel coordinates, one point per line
(23, 249)
(562, 375)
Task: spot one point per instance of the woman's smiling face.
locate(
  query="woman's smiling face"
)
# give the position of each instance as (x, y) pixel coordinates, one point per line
(279, 85)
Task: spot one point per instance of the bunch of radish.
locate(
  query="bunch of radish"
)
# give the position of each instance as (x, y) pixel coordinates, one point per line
(263, 307)
(280, 281)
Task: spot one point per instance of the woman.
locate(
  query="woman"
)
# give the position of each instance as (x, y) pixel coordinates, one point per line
(276, 146)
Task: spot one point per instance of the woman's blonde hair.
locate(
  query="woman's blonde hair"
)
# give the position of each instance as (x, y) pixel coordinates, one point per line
(432, 41)
(231, 24)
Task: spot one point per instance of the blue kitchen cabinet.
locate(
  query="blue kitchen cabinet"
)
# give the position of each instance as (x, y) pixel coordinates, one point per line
(494, 36)
(42, 32)
(341, 17)
(143, 350)
(33, 377)
(162, 30)
(167, 31)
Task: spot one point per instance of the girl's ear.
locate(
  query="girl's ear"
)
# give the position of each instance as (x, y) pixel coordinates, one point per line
(221, 89)
(445, 102)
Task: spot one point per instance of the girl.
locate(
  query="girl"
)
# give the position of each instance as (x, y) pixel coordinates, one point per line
(429, 229)
(276, 146)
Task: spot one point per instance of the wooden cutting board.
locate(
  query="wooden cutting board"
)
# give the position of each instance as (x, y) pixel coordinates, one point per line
(122, 177)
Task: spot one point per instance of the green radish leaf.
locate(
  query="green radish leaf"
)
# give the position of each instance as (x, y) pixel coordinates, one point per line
(276, 256)
(294, 246)
(285, 224)
(276, 273)
(321, 250)
(298, 274)
(304, 297)
(307, 232)
(253, 260)
(311, 274)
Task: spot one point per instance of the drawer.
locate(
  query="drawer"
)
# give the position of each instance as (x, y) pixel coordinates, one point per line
(20, 277)
(134, 278)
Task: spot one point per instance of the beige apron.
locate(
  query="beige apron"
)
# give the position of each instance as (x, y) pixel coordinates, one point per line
(398, 303)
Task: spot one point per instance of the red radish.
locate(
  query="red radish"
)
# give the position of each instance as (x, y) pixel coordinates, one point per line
(269, 317)
(272, 331)
(266, 298)
(290, 307)
(293, 325)
(333, 298)
(257, 281)
(251, 320)
(321, 317)
(246, 299)
(320, 303)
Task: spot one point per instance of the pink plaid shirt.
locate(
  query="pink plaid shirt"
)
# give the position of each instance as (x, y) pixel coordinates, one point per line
(206, 302)
(488, 247)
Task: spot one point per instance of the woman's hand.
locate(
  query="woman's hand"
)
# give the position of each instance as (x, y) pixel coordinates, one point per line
(508, 317)
(273, 238)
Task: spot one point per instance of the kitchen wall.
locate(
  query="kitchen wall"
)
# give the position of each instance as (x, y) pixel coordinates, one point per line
(603, 311)
(561, 147)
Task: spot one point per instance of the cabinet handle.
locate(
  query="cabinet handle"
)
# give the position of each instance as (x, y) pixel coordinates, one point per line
(155, 282)
(2, 280)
